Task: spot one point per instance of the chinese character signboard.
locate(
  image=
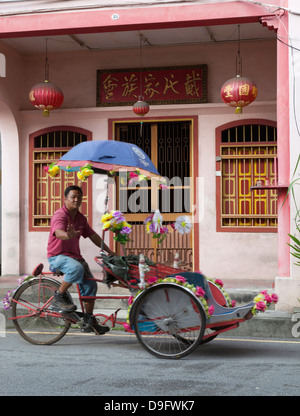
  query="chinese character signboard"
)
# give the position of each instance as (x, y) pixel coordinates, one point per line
(172, 85)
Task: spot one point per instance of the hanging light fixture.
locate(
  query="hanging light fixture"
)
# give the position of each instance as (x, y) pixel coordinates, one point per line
(45, 95)
(141, 107)
(238, 92)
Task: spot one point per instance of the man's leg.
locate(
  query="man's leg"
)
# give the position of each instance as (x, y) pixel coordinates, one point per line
(89, 306)
(64, 286)
(89, 288)
(74, 273)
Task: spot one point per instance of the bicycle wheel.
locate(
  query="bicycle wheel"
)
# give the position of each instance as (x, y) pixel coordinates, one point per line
(35, 321)
(168, 320)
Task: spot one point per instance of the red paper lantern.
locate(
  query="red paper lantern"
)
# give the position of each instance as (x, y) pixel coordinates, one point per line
(141, 108)
(238, 92)
(46, 96)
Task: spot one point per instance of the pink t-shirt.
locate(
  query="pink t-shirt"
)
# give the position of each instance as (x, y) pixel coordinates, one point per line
(60, 221)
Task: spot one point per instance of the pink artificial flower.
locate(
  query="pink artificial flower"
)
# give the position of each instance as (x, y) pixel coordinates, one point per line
(133, 175)
(261, 306)
(233, 303)
(173, 225)
(219, 282)
(130, 182)
(268, 298)
(126, 326)
(162, 186)
(130, 300)
(264, 292)
(148, 219)
(200, 291)
(152, 280)
(211, 310)
(180, 279)
(274, 298)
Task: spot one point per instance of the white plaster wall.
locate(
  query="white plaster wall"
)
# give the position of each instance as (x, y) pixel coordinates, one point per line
(10, 97)
(75, 72)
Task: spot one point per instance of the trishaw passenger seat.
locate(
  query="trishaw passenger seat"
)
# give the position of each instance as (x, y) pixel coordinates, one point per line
(196, 279)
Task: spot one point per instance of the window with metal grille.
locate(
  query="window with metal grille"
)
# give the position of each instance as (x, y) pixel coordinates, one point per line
(46, 194)
(246, 156)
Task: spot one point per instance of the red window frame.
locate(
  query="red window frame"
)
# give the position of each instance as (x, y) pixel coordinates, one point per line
(55, 185)
(266, 194)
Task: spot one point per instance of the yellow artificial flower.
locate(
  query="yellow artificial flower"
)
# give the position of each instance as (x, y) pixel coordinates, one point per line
(258, 298)
(80, 176)
(106, 217)
(106, 225)
(87, 172)
(123, 181)
(54, 171)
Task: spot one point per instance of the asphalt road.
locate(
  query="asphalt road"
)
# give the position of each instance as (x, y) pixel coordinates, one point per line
(115, 365)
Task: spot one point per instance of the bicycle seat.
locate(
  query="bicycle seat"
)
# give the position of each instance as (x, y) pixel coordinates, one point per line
(38, 270)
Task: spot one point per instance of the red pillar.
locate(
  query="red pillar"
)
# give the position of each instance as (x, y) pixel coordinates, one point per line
(283, 145)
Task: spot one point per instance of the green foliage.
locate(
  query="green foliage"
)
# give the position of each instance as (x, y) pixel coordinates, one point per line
(296, 248)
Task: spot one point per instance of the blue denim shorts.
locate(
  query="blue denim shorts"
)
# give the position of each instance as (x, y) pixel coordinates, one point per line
(75, 271)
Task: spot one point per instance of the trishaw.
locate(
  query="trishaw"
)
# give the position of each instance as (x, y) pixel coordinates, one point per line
(168, 318)
(172, 311)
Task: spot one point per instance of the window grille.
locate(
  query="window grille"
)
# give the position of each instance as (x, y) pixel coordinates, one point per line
(247, 155)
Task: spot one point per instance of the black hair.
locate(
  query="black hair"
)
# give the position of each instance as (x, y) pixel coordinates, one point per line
(72, 188)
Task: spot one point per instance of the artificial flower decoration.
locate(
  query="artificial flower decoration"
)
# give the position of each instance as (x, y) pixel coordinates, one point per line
(136, 177)
(52, 170)
(163, 183)
(115, 221)
(7, 300)
(263, 300)
(84, 172)
(131, 177)
(154, 225)
(183, 224)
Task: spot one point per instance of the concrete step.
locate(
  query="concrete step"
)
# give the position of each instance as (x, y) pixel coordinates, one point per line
(109, 303)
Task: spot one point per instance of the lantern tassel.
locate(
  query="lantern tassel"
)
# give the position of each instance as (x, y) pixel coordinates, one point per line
(238, 110)
(141, 130)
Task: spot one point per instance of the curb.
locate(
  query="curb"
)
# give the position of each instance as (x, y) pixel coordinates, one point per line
(270, 324)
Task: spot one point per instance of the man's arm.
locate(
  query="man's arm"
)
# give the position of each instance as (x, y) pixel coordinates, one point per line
(66, 235)
(97, 240)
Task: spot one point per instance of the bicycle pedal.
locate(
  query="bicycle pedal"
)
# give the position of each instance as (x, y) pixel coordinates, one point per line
(54, 309)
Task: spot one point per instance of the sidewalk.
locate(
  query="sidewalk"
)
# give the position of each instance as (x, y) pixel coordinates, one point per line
(271, 324)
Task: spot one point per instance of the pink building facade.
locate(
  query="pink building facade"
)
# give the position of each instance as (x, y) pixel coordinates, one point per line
(227, 254)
